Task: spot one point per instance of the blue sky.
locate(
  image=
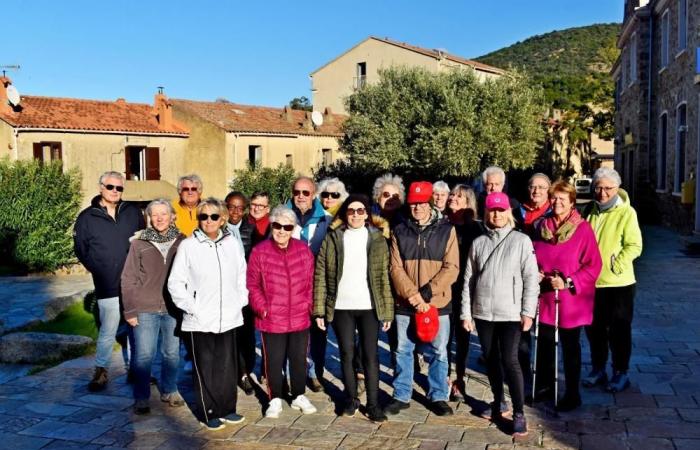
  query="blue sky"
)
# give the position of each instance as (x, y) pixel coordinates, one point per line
(248, 52)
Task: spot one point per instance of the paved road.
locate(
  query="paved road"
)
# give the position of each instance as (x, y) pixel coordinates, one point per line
(53, 410)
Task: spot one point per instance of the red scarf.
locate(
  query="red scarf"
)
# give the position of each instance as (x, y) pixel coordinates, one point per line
(261, 225)
(533, 213)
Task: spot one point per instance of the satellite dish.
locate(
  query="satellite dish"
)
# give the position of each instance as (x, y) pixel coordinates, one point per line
(317, 118)
(13, 95)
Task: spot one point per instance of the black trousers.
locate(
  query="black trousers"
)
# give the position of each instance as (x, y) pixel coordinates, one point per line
(460, 338)
(215, 373)
(278, 348)
(570, 340)
(612, 327)
(245, 338)
(365, 322)
(524, 349)
(499, 344)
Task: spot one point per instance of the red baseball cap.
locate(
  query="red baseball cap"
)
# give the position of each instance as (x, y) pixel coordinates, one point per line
(427, 324)
(497, 200)
(420, 192)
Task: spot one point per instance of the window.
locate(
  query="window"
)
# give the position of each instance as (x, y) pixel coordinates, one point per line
(254, 155)
(633, 59)
(142, 163)
(289, 161)
(665, 30)
(661, 153)
(682, 24)
(360, 75)
(326, 157)
(48, 151)
(681, 134)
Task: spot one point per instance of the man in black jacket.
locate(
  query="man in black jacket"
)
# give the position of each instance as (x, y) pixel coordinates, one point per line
(101, 238)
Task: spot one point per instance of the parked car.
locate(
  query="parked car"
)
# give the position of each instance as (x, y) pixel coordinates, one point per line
(583, 187)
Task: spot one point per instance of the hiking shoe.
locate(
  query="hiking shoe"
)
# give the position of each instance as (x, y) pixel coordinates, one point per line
(274, 409)
(568, 403)
(618, 383)
(99, 380)
(351, 407)
(214, 424)
(301, 403)
(173, 399)
(395, 406)
(457, 391)
(441, 408)
(246, 385)
(314, 385)
(142, 407)
(375, 414)
(233, 418)
(595, 377)
(519, 424)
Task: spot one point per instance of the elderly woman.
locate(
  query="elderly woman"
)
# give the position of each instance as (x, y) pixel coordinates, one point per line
(441, 191)
(148, 308)
(280, 282)
(569, 262)
(207, 282)
(347, 297)
(620, 242)
(461, 212)
(500, 296)
(388, 194)
(331, 194)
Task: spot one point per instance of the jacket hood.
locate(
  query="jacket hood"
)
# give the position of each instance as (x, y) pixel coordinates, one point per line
(201, 237)
(376, 222)
(317, 210)
(622, 201)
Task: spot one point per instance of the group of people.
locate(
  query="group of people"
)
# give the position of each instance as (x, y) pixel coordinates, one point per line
(427, 265)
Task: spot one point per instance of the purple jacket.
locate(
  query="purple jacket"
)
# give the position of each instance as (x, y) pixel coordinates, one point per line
(579, 259)
(280, 286)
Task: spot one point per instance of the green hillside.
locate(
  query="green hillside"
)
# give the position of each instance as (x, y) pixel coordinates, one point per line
(572, 65)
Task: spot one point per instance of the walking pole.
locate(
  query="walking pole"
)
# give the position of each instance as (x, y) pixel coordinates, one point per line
(556, 347)
(533, 364)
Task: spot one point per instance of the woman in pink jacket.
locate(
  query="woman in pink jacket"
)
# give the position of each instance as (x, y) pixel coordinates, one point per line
(280, 285)
(569, 261)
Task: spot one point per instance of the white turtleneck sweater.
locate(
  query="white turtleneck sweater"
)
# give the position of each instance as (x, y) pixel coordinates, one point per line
(353, 289)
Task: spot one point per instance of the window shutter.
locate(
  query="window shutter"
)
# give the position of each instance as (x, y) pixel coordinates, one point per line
(152, 163)
(127, 163)
(38, 152)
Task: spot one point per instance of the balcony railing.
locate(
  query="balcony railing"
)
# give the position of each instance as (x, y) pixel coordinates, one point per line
(359, 82)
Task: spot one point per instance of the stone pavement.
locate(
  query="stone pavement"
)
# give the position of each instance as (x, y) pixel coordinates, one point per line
(53, 410)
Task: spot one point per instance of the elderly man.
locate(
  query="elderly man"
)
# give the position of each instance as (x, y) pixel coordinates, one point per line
(101, 238)
(189, 188)
(313, 221)
(424, 265)
(494, 180)
(537, 204)
(440, 192)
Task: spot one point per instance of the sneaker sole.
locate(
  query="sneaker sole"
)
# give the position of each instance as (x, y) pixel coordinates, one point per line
(234, 421)
(308, 411)
(222, 426)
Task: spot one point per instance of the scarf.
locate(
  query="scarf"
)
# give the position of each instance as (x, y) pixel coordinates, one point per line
(609, 204)
(261, 225)
(533, 213)
(151, 235)
(333, 210)
(550, 233)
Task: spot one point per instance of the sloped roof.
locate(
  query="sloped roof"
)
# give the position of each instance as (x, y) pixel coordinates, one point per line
(233, 117)
(436, 54)
(90, 115)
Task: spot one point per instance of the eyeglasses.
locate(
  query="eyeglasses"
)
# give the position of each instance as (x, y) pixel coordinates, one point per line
(537, 188)
(607, 189)
(279, 226)
(389, 195)
(258, 206)
(335, 195)
(235, 208)
(305, 193)
(214, 217)
(189, 189)
(112, 187)
(356, 211)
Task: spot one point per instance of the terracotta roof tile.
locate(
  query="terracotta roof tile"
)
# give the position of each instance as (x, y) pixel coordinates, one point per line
(233, 117)
(92, 115)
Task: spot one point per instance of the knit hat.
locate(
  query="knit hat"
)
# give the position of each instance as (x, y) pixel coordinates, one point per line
(420, 192)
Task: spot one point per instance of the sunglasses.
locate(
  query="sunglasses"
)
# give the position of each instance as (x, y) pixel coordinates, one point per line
(279, 226)
(111, 187)
(188, 189)
(335, 195)
(389, 195)
(356, 211)
(214, 217)
(305, 193)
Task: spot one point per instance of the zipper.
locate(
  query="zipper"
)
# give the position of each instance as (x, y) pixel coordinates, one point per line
(289, 291)
(221, 287)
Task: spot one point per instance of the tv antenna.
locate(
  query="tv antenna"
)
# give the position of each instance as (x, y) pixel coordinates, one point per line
(9, 67)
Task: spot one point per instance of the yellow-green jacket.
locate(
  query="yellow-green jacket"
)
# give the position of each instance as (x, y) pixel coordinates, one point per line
(619, 240)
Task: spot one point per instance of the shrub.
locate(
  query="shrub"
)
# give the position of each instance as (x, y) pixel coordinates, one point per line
(38, 206)
(276, 181)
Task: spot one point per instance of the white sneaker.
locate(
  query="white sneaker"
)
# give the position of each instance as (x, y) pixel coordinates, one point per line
(274, 409)
(301, 403)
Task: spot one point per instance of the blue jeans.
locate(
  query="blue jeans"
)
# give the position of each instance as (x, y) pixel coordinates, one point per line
(109, 323)
(434, 353)
(152, 326)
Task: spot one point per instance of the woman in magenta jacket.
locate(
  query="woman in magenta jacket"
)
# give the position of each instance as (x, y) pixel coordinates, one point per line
(280, 285)
(569, 261)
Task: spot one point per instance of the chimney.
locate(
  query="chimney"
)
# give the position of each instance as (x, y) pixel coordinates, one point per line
(288, 114)
(120, 101)
(163, 111)
(328, 115)
(5, 107)
(308, 124)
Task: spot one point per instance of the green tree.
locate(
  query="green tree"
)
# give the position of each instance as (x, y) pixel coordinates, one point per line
(275, 181)
(448, 124)
(301, 103)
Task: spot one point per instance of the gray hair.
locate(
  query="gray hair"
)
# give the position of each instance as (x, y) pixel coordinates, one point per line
(385, 179)
(606, 172)
(493, 170)
(441, 186)
(159, 202)
(469, 194)
(110, 174)
(539, 175)
(332, 182)
(281, 211)
(194, 178)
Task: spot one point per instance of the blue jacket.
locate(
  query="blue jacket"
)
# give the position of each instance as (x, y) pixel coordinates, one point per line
(312, 226)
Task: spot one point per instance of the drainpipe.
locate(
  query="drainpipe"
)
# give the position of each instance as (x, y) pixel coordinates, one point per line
(15, 144)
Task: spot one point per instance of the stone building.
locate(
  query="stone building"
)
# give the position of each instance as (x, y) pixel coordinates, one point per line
(657, 143)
